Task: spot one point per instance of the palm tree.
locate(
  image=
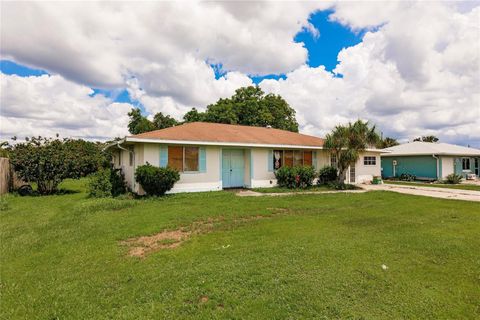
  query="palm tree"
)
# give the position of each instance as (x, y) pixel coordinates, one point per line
(387, 143)
(347, 142)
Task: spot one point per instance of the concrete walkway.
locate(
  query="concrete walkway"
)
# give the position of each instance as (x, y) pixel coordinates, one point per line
(444, 193)
(250, 193)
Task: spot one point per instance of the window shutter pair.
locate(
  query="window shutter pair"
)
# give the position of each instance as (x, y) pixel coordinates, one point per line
(202, 155)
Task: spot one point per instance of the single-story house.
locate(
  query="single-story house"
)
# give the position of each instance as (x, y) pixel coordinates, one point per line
(213, 156)
(428, 160)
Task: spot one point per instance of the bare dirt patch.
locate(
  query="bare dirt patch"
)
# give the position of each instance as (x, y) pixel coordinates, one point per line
(170, 239)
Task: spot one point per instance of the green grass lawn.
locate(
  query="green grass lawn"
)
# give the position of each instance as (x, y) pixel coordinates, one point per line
(319, 257)
(436, 185)
(285, 190)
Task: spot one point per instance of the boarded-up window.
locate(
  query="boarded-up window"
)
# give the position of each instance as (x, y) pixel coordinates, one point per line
(298, 158)
(288, 158)
(191, 159)
(307, 158)
(175, 157)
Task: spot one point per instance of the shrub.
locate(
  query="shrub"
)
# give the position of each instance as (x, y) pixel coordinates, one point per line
(295, 177)
(107, 183)
(327, 174)
(407, 177)
(117, 179)
(47, 162)
(100, 185)
(453, 179)
(341, 186)
(156, 181)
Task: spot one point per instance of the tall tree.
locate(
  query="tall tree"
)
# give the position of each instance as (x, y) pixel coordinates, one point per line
(347, 142)
(161, 122)
(387, 142)
(427, 139)
(249, 106)
(138, 123)
(194, 116)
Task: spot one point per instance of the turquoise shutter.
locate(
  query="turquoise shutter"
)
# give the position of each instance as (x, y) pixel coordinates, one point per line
(202, 160)
(163, 156)
(270, 160)
(314, 159)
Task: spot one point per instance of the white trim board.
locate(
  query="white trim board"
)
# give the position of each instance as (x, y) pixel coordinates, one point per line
(231, 144)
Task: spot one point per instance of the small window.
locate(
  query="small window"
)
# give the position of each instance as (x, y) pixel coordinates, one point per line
(465, 164)
(277, 159)
(333, 160)
(191, 159)
(369, 161)
(298, 158)
(352, 173)
(175, 157)
(289, 158)
(307, 158)
(130, 158)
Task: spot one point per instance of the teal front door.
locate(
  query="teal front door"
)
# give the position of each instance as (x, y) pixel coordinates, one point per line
(233, 168)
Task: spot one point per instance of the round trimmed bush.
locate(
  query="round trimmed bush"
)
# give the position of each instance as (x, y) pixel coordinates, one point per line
(156, 181)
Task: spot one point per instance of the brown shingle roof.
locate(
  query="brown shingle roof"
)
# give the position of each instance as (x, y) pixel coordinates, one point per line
(227, 133)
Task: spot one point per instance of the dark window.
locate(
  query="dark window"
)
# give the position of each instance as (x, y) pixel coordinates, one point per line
(465, 163)
(130, 158)
(277, 159)
(369, 161)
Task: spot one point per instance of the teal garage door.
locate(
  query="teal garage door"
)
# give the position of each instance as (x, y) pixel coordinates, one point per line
(233, 168)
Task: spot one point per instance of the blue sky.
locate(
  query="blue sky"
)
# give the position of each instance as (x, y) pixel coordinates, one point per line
(322, 50)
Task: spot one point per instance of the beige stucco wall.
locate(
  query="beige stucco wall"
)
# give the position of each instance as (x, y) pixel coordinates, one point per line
(261, 176)
(211, 179)
(365, 173)
(323, 158)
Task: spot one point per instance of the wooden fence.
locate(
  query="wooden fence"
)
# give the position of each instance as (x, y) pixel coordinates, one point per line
(8, 178)
(4, 175)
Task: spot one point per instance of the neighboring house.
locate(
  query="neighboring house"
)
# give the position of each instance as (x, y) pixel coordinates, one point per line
(212, 156)
(429, 160)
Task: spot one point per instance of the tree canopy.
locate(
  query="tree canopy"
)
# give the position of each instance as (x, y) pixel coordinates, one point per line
(49, 161)
(427, 139)
(387, 142)
(248, 106)
(347, 142)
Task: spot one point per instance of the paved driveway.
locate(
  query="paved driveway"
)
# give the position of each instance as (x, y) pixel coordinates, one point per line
(444, 193)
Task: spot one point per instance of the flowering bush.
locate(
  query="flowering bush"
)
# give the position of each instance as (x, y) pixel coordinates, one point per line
(295, 177)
